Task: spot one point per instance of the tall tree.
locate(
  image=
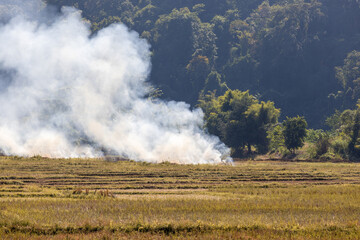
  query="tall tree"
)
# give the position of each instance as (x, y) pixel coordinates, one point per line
(239, 119)
(294, 132)
(348, 76)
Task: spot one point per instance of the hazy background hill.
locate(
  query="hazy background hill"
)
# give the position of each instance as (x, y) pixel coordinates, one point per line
(284, 51)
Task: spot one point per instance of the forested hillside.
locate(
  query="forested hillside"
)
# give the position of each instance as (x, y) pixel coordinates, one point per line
(291, 52)
(262, 71)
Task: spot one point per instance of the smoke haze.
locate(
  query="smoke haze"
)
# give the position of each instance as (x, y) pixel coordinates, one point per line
(65, 93)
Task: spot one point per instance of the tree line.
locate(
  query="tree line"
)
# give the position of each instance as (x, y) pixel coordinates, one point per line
(250, 126)
(291, 52)
(302, 55)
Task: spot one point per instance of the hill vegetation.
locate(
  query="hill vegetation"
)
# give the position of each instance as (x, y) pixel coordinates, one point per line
(244, 61)
(300, 54)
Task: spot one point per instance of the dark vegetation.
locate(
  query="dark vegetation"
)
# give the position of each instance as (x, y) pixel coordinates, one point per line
(294, 132)
(300, 56)
(240, 120)
(290, 52)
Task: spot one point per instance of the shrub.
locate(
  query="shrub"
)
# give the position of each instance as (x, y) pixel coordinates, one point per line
(339, 145)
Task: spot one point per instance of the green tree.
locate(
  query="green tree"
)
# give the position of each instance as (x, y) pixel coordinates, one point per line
(276, 139)
(184, 56)
(239, 119)
(294, 132)
(345, 132)
(214, 82)
(278, 48)
(354, 145)
(348, 76)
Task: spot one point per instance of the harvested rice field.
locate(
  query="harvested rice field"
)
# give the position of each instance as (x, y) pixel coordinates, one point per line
(42, 198)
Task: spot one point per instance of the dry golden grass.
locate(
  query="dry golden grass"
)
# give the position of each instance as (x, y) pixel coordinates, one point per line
(44, 198)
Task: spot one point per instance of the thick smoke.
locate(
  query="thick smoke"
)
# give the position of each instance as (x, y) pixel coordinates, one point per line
(65, 93)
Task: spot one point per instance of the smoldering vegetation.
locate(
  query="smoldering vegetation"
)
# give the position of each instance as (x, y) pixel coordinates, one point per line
(68, 93)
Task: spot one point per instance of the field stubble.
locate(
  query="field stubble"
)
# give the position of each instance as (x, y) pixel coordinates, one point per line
(91, 198)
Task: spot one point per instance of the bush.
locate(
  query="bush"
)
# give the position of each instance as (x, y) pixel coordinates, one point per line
(313, 136)
(340, 144)
(322, 145)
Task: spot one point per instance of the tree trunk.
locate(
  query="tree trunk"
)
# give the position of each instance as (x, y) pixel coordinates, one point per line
(249, 148)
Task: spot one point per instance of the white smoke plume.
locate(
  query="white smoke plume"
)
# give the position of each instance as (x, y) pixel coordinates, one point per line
(66, 93)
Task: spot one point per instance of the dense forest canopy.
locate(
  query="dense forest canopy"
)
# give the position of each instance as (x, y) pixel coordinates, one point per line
(245, 62)
(298, 53)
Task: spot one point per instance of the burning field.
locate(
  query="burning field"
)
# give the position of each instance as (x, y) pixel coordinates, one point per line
(67, 92)
(71, 97)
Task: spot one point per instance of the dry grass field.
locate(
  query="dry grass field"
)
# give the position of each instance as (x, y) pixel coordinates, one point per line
(43, 198)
